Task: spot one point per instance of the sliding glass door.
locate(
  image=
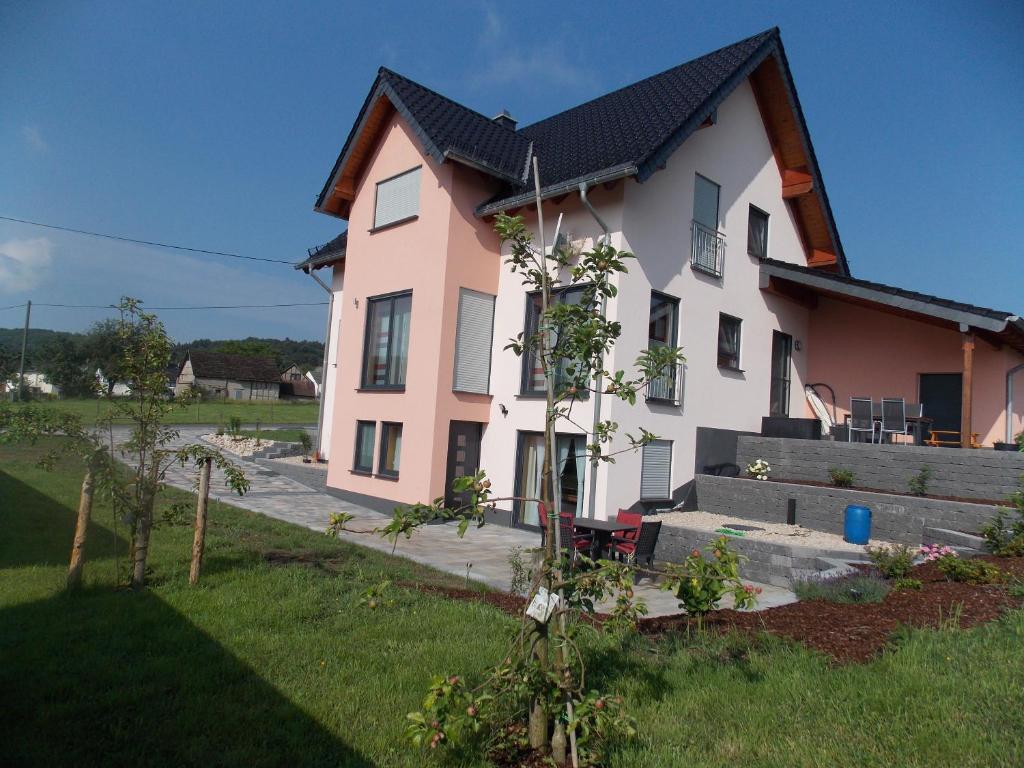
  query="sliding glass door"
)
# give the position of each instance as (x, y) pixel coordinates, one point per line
(532, 475)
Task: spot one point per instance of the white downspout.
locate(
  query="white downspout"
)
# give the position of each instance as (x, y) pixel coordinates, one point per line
(592, 489)
(1009, 400)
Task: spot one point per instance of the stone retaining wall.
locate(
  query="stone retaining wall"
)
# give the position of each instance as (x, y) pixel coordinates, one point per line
(900, 519)
(974, 474)
(768, 563)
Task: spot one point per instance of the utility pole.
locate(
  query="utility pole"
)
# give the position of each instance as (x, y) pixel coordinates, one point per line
(24, 343)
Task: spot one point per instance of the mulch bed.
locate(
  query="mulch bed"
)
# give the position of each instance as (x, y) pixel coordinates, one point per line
(845, 633)
(856, 633)
(820, 484)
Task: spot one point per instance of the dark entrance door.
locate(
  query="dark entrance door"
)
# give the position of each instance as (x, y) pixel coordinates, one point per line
(782, 362)
(941, 395)
(463, 457)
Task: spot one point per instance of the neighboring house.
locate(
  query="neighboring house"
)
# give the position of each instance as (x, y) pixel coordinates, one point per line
(707, 173)
(292, 373)
(316, 375)
(231, 377)
(36, 383)
(295, 385)
(119, 388)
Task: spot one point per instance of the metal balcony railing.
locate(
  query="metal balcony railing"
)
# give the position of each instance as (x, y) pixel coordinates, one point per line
(707, 249)
(668, 387)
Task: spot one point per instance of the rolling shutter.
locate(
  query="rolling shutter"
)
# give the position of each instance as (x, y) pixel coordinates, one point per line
(397, 198)
(656, 473)
(473, 342)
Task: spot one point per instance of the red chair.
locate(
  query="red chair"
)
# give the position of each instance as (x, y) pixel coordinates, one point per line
(641, 550)
(567, 530)
(635, 519)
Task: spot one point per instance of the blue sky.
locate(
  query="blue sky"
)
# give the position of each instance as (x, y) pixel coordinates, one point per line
(214, 125)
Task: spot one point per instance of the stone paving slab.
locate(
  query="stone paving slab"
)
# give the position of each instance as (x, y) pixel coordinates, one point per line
(438, 546)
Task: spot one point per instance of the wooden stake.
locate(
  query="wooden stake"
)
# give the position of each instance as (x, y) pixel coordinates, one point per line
(81, 530)
(200, 538)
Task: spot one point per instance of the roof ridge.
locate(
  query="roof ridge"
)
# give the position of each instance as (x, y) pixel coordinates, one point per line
(450, 100)
(773, 31)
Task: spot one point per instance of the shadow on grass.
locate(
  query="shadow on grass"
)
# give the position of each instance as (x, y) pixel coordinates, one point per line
(39, 530)
(115, 678)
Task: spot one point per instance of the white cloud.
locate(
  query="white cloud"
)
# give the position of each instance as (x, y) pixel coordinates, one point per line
(34, 139)
(508, 60)
(24, 264)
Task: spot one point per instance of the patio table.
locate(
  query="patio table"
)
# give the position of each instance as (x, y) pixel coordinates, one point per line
(602, 530)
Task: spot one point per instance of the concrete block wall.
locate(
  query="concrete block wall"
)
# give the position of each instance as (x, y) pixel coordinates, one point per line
(967, 473)
(900, 519)
(767, 563)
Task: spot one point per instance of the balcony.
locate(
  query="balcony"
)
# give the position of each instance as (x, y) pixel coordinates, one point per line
(667, 389)
(707, 250)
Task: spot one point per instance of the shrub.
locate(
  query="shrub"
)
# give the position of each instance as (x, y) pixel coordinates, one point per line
(849, 588)
(759, 470)
(918, 484)
(220, 430)
(892, 562)
(841, 478)
(306, 441)
(1019, 439)
(701, 582)
(968, 571)
(905, 583)
(520, 574)
(1004, 534)
(234, 426)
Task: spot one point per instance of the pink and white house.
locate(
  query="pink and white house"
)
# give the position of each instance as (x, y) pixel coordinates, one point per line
(705, 172)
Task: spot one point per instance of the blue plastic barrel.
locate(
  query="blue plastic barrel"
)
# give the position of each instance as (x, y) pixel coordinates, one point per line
(857, 524)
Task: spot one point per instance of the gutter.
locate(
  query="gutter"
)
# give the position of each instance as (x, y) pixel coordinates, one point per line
(563, 188)
(592, 489)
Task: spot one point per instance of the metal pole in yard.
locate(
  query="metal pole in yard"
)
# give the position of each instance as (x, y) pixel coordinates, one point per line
(24, 344)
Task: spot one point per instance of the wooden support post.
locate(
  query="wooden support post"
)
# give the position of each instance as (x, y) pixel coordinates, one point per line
(966, 436)
(81, 529)
(199, 542)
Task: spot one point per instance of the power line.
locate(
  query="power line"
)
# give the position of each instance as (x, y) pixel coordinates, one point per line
(146, 242)
(12, 306)
(215, 306)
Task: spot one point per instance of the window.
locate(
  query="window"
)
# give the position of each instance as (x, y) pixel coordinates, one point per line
(661, 332)
(473, 342)
(782, 356)
(757, 233)
(386, 349)
(398, 199)
(656, 471)
(390, 449)
(729, 342)
(365, 431)
(707, 246)
(533, 368)
(532, 475)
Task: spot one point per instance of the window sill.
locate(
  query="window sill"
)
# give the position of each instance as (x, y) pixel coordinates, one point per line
(662, 401)
(360, 472)
(391, 224)
(730, 369)
(380, 389)
(389, 478)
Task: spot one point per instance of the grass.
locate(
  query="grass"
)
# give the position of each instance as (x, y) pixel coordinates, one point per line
(848, 588)
(206, 412)
(280, 435)
(271, 665)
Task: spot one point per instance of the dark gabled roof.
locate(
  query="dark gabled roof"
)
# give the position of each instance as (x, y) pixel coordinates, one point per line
(994, 320)
(323, 255)
(629, 132)
(216, 365)
(300, 388)
(446, 128)
(631, 126)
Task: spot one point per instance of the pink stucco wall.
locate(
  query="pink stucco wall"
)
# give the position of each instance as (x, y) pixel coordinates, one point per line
(444, 249)
(861, 351)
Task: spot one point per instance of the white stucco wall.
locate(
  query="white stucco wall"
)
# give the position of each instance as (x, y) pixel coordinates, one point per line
(330, 375)
(653, 221)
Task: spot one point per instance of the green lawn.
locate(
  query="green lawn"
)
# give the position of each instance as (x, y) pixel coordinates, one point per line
(208, 412)
(278, 665)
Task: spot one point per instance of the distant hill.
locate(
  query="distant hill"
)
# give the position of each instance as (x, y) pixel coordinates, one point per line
(305, 354)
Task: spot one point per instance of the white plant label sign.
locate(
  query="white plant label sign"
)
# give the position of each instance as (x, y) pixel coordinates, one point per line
(542, 606)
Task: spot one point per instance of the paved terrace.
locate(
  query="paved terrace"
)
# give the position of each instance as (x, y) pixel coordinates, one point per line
(487, 548)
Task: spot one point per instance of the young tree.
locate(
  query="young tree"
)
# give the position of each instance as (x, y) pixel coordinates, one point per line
(66, 367)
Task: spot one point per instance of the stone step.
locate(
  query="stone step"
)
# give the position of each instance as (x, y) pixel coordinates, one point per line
(952, 538)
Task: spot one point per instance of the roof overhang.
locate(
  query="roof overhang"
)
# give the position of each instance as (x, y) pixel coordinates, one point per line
(325, 255)
(562, 188)
(804, 285)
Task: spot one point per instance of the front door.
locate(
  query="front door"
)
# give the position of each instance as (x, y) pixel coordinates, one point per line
(941, 397)
(782, 360)
(463, 457)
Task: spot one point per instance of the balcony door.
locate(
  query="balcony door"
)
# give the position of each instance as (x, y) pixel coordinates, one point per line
(705, 203)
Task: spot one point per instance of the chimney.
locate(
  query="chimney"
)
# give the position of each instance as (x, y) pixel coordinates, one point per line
(505, 119)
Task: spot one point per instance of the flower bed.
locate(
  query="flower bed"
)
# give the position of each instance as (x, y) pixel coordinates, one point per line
(856, 632)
